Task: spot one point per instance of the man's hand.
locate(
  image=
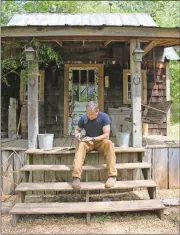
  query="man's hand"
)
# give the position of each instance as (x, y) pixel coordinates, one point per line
(87, 139)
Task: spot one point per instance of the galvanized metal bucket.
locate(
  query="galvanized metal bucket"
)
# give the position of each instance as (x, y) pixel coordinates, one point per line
(122, 139)
(45, 141)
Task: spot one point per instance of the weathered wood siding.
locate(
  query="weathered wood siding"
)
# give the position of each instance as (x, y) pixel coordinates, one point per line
(54, 100)
(11, 162)
(115, 59)
(10, 89)
(165, 166)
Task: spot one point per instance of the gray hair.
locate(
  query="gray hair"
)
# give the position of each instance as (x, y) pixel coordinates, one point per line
(92, 105)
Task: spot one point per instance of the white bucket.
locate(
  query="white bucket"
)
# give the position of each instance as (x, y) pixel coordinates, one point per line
(45, 141)
(122, 139)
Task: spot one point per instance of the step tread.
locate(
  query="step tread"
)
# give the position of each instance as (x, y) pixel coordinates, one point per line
(86, 207)
(136, 165)
(67, 186)
(61, 150)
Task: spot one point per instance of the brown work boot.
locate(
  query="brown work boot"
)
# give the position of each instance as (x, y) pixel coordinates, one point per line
(110, 182)
(76, 183)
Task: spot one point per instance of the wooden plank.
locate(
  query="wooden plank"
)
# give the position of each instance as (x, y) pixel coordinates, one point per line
(7, 174)
(38, 176)
(93, 159)
(88, 167)
(150, 46)
(66, 105)
(89, 33)
(57, 150)
(101, 88)
(160, 167)
(107, 42)
(42, 82)
(102, 161)
(19, 160)
(66, 186)
(70, 159)
(49, 176)
(60, 142)
(12, 119)
(60, 176)
(174, 168)
(144, 87)
(33, 126)
(135, 97)
(22, 87)
(86, 207)
(137, 174)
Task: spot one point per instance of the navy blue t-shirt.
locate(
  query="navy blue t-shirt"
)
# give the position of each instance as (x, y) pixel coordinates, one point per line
(94, 127)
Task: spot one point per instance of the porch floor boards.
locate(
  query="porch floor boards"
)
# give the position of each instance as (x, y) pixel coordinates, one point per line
(22, 144)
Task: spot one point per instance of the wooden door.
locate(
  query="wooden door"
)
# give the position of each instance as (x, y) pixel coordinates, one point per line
(83, 87)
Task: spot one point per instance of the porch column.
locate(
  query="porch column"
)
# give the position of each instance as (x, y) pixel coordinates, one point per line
(135, 97)
(33, 125)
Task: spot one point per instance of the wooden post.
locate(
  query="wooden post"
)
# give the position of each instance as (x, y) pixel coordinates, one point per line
(12, 125)
(168, 97)
(135, 98)
(33, 125)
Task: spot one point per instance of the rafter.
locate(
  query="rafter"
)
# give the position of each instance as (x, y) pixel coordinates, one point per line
(107, 43)
(150, 46)
(59, 43)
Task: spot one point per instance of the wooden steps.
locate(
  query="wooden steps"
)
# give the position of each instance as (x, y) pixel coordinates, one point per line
(64, 150)
(66, 186)
(86, 207)
(139, 165)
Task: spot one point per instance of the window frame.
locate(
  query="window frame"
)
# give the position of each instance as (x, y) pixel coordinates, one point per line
(23, 88)
(126, 73)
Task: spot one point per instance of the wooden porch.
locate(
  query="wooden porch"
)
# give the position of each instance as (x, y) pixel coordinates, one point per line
(70, 141)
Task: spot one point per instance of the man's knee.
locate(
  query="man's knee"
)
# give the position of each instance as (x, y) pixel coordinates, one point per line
(108, 142)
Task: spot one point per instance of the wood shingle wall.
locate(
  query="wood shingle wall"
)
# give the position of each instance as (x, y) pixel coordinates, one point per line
(54, 101)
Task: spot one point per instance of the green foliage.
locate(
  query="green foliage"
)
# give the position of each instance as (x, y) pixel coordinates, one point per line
(14, 59)
(101, 219)
(175, 90)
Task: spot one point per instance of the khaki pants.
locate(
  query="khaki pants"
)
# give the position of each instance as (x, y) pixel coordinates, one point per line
(105, 146)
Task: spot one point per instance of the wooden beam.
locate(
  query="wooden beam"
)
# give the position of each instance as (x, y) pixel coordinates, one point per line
(59, 43)
(135, 98)
(150, 46)
(33, 125)
(107, 43)
(90, 32)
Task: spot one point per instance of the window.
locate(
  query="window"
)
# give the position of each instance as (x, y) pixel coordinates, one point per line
(127, 86)
(24, 88)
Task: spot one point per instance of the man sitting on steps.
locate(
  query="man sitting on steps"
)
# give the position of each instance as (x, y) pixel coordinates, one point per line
(97, 127)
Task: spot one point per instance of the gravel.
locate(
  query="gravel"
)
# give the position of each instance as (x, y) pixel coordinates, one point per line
(110, 223)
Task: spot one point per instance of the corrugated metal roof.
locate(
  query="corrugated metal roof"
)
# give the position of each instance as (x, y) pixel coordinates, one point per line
(95, 19)
(170, 54)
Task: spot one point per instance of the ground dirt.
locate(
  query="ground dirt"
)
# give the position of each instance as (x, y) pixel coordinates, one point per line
(111, 223)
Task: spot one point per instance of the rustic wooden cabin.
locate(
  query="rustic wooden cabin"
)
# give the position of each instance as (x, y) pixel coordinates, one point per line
(97, 63)
(120, 60)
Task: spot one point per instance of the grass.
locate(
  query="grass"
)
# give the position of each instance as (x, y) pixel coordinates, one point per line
(175, 130)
